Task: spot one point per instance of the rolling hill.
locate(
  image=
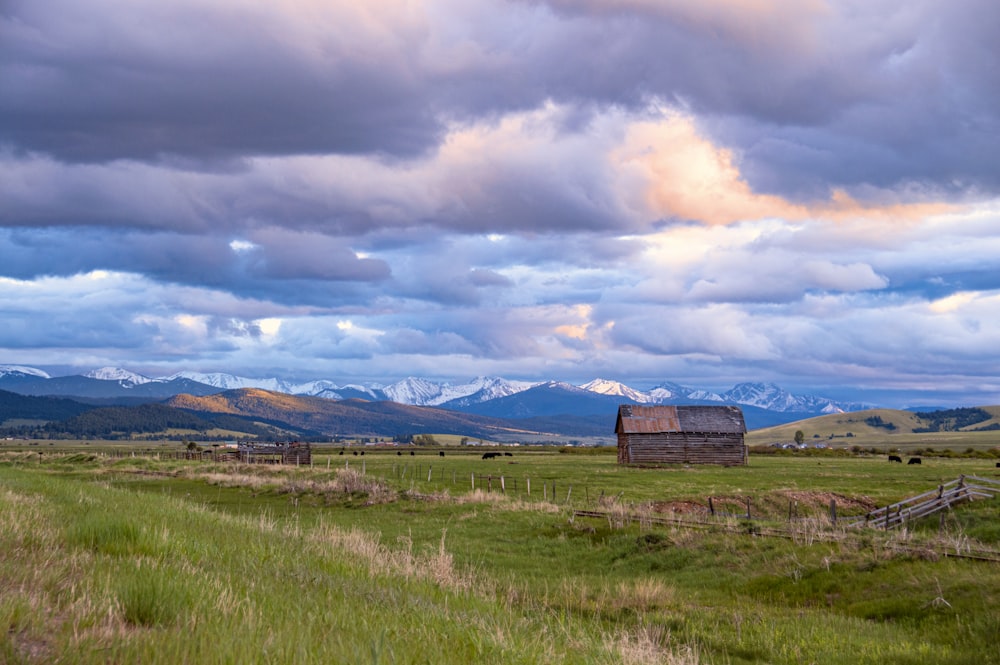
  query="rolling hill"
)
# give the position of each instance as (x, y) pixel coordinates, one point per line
(860, 427)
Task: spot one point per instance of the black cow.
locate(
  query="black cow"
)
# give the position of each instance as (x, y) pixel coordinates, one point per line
(412, 453)
(508, 454)
(441, 453)
(913, 460)
(895, 458)
(399, 452)
(490, 455)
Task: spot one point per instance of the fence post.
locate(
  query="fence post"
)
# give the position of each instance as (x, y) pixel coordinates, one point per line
(473, 481)
(711, 507)
(429, 470)
(748, 508)
(833, 511)
(528, 481)
(568, 493)
(503, 485)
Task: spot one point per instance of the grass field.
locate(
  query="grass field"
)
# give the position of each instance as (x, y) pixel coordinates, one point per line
(385, 558)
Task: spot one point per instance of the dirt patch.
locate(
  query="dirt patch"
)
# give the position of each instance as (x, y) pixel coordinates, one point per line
(679, 507)
(821, 499)
(806, 500)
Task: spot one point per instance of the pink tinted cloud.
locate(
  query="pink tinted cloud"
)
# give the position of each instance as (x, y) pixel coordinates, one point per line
(668, 169)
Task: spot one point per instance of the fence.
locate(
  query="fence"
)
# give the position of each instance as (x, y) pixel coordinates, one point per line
(960, 490)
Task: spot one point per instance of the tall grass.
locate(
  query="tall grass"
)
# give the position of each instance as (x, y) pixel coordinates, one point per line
(189, 563)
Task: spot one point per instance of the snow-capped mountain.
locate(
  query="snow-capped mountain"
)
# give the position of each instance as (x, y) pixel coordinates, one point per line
(774, 398)
(122, 376)
(21, 370)
(668, 391)
(496, 391)
(232, 382)
(616, 389)
(412, 390)
(421, 392)
(480, 389)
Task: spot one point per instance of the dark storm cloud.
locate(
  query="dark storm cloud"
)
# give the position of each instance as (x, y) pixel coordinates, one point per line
(112, 80)
(839, 95)
(917, 84)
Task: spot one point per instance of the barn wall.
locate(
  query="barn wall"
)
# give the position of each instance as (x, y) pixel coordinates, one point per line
(681, 448)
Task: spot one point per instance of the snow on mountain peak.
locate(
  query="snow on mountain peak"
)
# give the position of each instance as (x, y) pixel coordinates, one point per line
(412, 390)
(118, 374)
(616, 389)
(21, 369)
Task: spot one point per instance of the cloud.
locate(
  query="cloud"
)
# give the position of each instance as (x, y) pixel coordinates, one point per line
(673, 171)
(213, 80)
(761, 188)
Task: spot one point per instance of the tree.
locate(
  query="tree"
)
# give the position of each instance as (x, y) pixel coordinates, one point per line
(800, 436)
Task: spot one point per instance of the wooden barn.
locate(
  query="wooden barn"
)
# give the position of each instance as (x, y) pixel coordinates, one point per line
(288, 452)
(681, 435)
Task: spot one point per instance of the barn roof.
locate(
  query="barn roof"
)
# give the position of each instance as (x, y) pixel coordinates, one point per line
(636, 419)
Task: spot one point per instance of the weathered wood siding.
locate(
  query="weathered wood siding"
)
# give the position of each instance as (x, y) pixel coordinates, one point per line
(689, 448)
(681, 435)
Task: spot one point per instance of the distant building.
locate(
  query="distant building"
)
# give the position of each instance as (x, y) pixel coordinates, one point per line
(681, 435)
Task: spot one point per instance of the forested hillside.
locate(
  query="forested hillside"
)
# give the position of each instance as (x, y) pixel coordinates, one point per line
(23, 407)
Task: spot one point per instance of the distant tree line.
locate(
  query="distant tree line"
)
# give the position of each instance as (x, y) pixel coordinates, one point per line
(950, 420)
(876, 421)
(127, 422)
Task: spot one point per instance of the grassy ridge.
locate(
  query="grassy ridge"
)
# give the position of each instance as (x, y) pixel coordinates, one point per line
(885, 428)
(136, 560)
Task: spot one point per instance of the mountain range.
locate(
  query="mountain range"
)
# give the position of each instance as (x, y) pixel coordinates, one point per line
(764, 404)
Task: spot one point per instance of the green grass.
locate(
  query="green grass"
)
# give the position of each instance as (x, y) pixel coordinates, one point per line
(134, 560)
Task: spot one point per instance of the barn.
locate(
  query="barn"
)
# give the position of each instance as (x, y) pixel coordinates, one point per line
(681, 435)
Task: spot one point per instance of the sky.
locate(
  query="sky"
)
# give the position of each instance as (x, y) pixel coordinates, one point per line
(803, 192)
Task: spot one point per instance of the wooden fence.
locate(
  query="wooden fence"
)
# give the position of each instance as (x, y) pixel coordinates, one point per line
(960, 490)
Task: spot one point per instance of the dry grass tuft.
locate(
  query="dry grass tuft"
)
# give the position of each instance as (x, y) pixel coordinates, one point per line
(650, 644)
(436, 565)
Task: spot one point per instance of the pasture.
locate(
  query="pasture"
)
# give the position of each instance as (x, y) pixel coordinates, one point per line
(386, 558)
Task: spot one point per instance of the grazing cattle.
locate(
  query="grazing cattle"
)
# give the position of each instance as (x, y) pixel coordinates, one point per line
(895, 458)
(998, 465)
(913, 460)
(355, 453)
(490, 455)
(399, 452)
(341, 452)
(441, 453)
(412, 453)
(508, 454)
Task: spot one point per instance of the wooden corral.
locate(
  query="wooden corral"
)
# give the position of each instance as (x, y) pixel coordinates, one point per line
(287, 452)
(681, 435)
